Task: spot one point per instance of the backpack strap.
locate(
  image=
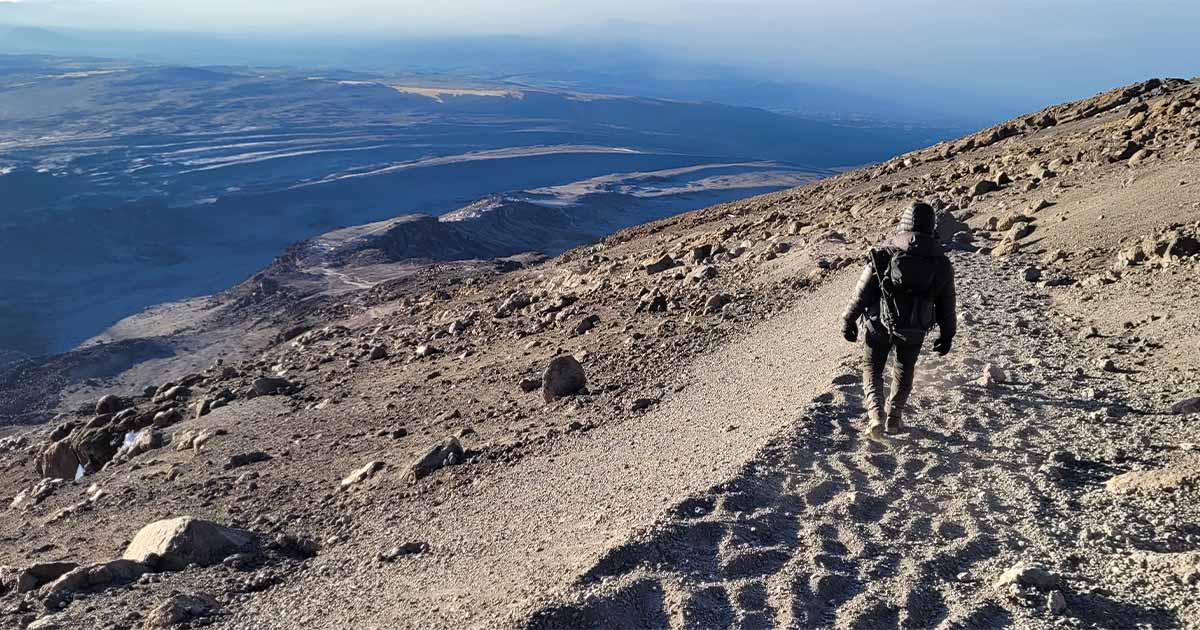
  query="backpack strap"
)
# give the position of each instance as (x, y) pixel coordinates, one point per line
(889, 311)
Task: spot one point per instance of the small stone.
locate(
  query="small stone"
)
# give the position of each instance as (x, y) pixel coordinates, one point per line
(642, 404)
(659, 265)
(564, 376)
(407, 549)
(181, 608)
(1056, 602)
(379, 352)
(984, 186)
(716, 303)
(1028, 574)
(992, 376)
(363, 474)
(586, 324)
(245, 459)
(270, 385)
(1188, 405)
(448, 452)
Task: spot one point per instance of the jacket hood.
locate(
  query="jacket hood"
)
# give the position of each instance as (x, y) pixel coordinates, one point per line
(916, 243)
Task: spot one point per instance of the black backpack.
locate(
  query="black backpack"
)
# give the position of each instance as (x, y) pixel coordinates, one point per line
(907, 283)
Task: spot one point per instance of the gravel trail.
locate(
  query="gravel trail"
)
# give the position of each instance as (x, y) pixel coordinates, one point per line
(826, 529)
(562, 513)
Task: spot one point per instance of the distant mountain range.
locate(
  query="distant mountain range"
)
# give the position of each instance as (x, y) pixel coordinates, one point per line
(128, 185)
(612, 63)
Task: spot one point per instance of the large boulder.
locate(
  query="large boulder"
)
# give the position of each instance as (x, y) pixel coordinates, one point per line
(563, 377)
(173, 544)
(17, 580)
(95, 447)
(58, 461)
(948, 225)
(448, 452)
(111, 403)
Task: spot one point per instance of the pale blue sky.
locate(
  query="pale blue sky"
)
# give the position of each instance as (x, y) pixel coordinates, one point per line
(1019, 48)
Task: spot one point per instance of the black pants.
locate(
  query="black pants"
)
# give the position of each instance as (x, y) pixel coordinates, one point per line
(878, 347)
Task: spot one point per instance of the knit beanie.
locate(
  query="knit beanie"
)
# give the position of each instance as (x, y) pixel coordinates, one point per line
(919, 218)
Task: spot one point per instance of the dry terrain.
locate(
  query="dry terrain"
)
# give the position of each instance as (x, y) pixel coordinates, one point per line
(426, 456)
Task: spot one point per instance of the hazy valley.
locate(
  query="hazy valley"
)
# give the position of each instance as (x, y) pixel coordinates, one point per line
(152, 184)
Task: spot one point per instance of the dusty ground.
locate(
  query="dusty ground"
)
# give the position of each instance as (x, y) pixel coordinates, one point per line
(714, 474)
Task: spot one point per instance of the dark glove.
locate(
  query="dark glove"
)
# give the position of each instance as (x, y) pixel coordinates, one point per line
(850, 330)
(942, 345)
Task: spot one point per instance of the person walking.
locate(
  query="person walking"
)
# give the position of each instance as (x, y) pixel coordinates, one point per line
(906, 288)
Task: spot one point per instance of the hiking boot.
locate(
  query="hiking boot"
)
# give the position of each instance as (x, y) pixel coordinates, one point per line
(893, 424)
(875, 425)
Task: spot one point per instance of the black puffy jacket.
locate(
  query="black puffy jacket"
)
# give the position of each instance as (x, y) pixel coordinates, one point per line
(867, 294)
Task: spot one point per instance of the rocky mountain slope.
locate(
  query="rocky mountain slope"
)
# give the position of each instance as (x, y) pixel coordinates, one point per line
(663, 429)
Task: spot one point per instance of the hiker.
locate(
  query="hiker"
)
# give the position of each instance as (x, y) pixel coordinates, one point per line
(907, 287)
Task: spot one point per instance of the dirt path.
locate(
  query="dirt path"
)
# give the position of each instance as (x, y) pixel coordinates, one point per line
(750, 500)
(824, 528)
(562, 513)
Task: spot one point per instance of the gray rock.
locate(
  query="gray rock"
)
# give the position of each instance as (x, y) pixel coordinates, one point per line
(245, 459)
(379, 352)
(111, 404)
(58, 461)
(181, 608)
(530, 384)
(146, 440)
(642, 404)
(563, 377)
(1032, 274)
(407, 549)
(103, 574)
(174, 393)
(1188, 405)
(448, 452)
(716, 303)
(173, 544)
(1139, 157)
(1056, 602)
(1029, 574)
(701, 252)
(167, 418)
(659, 265)
(95, 447)
(992, 376)
(983, 187)
(271, 385)
(585, 324)
(31, 578)
(363, 474)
